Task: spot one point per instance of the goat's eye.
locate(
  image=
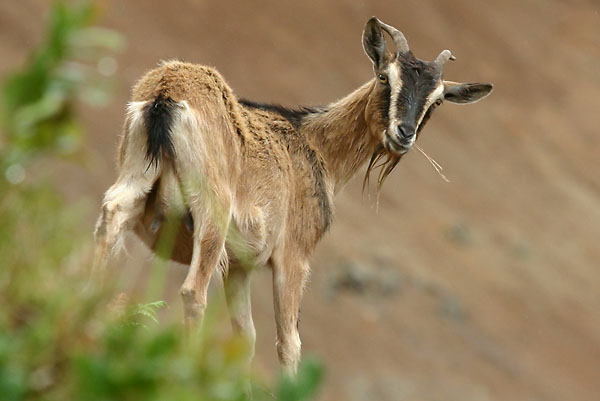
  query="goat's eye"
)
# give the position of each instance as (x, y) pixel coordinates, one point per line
(438, 102)
(383, 78)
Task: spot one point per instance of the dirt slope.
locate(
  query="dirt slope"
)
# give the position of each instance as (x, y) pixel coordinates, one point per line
(489, 286)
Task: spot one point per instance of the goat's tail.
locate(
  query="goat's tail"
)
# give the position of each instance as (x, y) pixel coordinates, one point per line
(158, 121)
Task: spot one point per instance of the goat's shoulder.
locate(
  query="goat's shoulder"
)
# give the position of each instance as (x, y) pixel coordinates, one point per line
(278, 139)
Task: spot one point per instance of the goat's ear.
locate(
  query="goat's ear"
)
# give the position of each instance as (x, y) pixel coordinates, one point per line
(466, 93)
(374, 42)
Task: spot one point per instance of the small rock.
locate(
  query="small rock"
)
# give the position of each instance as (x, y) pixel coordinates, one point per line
(460, 234)
(359, 278)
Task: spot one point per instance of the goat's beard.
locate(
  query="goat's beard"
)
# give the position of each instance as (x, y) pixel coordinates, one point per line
(383, 160)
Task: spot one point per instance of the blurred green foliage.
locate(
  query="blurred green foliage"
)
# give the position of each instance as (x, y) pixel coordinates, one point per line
(61, 339)
(38, 102)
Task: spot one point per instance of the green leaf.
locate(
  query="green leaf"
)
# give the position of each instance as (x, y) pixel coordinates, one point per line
(304, 386)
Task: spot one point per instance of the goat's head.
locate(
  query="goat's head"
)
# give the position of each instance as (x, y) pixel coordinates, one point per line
(407, 90)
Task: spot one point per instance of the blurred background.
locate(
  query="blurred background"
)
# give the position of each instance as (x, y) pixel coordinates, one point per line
(484, 288)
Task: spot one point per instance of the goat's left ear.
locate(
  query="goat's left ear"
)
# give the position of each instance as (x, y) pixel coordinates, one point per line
(466, 93)
(374, 43)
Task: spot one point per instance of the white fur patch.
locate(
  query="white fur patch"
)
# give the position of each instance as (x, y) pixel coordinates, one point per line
(395, 83)
(434, 96)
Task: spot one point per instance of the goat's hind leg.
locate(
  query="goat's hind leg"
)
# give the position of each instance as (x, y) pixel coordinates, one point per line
(124, 201)
(123, 205)
(208, 253)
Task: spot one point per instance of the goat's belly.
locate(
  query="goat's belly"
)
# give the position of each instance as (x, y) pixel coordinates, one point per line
(178, 249)
(171, 236)
(245, 243)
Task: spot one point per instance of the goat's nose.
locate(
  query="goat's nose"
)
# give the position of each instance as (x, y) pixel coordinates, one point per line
(406, 131)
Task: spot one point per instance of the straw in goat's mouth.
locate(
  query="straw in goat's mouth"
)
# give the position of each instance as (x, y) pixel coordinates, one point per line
(386, 162)
(435, 164)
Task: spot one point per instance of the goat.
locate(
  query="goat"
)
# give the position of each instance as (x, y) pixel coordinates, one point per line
(251, 184)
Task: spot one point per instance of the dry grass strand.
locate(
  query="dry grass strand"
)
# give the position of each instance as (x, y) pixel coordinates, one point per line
(438, 167)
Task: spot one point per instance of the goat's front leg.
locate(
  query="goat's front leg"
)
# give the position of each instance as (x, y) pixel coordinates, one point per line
(289, 276)
(237, 292)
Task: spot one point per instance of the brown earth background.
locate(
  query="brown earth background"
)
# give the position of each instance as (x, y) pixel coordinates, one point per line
(485, 288)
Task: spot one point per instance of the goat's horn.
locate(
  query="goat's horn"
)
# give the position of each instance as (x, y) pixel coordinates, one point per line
(443, 57)
(397, 36)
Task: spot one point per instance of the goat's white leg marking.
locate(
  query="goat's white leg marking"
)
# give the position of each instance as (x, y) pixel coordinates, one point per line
(123, 205)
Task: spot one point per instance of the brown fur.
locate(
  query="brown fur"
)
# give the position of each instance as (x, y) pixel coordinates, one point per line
(244, 185)
(338, 139)
(275, 183)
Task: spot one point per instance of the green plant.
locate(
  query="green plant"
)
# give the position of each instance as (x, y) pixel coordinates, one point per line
(303, 387)
(61, 339)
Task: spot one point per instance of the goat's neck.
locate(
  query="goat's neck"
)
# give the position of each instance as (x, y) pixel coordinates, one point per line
(341, 134)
